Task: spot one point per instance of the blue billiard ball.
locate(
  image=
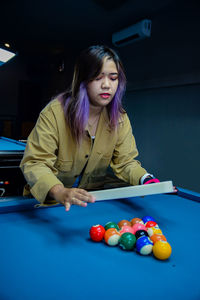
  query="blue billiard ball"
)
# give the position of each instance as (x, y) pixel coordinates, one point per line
(147, 219)
(144, 245)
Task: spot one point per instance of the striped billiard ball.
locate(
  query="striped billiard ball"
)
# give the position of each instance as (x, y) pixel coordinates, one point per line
(112, 237)
(158, 237)
(144, 245)
(127, 241)
(153, 230)
(151, 224)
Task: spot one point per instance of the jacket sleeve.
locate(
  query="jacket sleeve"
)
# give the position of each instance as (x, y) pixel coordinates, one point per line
(39, 158)
(123, 161)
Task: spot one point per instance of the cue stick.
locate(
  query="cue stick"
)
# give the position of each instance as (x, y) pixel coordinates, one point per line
(134, 191)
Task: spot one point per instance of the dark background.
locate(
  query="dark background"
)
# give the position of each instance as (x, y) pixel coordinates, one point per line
(163, 72)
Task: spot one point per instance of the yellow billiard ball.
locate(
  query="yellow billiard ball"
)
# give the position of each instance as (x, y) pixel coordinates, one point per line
(162, 250)
(154, 230)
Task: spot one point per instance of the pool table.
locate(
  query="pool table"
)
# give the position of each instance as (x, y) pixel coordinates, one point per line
(46, 253)
(11, 178)
(10, 147)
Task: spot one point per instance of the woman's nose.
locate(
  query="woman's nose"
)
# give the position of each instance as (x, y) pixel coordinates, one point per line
(105, 83)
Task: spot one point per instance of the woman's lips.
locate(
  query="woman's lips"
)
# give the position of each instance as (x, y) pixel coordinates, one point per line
(105, 95)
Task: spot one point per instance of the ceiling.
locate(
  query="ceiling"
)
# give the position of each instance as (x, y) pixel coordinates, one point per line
(35, 26)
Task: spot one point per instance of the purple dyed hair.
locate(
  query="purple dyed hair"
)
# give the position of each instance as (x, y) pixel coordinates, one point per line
(76, 102)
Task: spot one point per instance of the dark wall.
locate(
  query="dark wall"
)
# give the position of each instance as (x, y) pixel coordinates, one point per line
(163, 94)
(27, 84)
(10, 75)
(166, 125)
(173, 50)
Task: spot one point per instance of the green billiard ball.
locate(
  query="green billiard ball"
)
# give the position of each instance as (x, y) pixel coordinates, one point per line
(111, 225)
(127, 241)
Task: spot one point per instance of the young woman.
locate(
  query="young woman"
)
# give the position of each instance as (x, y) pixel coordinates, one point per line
(81, 133)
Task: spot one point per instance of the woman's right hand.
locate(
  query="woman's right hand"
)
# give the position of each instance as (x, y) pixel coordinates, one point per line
(69, 196)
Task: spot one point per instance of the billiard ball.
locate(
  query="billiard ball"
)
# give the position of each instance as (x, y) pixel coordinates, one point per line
(138, 226)
(144, 245)
(97, 233)
(158, 237)
(127, 241)
(153, 230)
(141, 233)
(147, 218)
(162, 250)
(111, 225)
(123, 223)
(126, 228)
(112, 236)
(136, 220)
(151, 224)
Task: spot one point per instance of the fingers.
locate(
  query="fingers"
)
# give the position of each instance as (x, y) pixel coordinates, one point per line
(85, 196)
(77, 201)
(76, 197)
(67, 206)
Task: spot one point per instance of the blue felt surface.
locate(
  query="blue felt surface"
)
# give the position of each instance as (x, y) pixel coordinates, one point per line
(47, 253)
(10, 145)
(189, 194)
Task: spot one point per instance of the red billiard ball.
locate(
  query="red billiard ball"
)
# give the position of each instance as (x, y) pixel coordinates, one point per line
(97, 233)
(151, 224)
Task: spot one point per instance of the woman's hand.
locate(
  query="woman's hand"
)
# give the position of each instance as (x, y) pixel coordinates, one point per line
(69, 196)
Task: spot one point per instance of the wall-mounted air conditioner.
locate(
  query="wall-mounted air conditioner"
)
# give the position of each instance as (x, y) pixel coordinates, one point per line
(134, 33)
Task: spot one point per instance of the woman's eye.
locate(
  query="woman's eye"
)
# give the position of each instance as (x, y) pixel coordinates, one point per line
(114, 78)
(98, 78)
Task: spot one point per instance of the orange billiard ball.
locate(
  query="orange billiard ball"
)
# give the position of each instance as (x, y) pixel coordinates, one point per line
(158, 237)
(112, 237)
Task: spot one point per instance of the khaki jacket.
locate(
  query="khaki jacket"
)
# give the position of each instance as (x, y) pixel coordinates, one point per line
(52, 157)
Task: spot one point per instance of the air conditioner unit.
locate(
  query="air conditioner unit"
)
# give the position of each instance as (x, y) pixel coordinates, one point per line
(134, 33)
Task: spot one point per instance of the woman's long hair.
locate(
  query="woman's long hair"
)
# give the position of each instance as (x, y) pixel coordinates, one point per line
(75, 102)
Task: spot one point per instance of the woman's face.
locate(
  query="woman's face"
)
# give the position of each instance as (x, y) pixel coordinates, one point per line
(102, 89)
